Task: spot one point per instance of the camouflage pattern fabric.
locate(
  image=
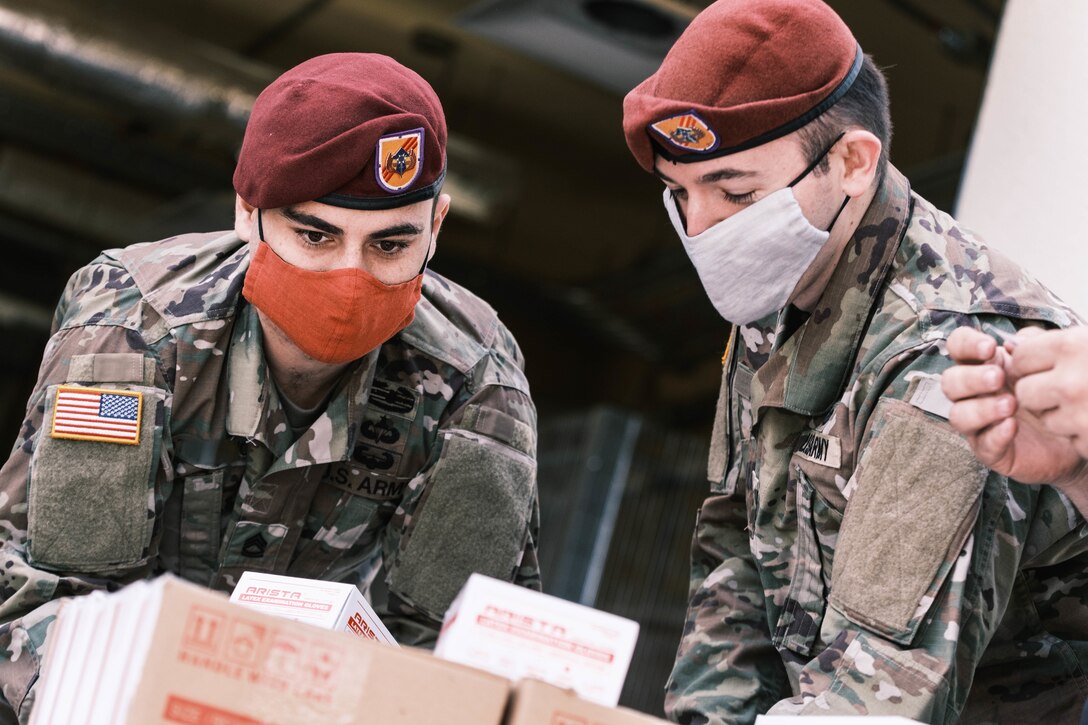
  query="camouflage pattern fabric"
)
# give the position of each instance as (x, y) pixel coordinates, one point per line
(219, 483)
(853, 557)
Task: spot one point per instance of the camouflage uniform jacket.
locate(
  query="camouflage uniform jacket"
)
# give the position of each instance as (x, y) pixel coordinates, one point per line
(853, 557)
(424, 458)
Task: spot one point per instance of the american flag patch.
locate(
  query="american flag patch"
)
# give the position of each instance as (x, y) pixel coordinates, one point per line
(93, 414)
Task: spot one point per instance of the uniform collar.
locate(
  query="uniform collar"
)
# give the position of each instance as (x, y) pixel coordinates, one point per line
(254, 411)
(806, 373)
(247, 376)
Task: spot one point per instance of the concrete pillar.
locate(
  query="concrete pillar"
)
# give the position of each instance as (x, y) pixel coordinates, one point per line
(1025, 185)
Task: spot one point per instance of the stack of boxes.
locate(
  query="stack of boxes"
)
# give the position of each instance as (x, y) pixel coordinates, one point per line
(288, 651)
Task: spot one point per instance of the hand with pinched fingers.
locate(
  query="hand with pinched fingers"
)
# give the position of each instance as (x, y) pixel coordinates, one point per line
(1005, 435)
(1051, 373)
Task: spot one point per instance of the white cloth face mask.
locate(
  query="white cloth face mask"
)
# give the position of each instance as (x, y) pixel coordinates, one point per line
(750, 262)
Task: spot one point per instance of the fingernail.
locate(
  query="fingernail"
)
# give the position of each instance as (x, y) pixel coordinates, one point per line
(1007, 339)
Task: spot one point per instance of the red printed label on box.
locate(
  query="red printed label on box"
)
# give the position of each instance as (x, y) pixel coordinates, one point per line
(359, 626)
(537, 630)
(191, 712)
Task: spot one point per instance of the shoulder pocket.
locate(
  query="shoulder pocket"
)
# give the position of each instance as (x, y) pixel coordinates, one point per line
(502, 427)
(915, 501)
(91, 498)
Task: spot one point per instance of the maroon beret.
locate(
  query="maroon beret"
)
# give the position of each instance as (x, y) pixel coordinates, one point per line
(356, 130)
(744, 72)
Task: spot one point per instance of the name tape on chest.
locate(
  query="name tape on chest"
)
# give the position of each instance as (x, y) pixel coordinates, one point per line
(820, 448)
(367, 484)
(97, 414)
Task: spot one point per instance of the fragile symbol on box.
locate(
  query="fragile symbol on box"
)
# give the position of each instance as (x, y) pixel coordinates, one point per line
(203, 629)
(244, 643)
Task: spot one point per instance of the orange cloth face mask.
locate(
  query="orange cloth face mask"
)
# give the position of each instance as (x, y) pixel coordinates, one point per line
(334, 316)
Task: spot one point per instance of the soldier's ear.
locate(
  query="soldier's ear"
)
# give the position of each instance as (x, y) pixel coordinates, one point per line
(245, 219)
(441, 209)
(860, 153)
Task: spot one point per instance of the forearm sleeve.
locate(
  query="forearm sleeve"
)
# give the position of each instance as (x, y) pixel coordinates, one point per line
(726, 669)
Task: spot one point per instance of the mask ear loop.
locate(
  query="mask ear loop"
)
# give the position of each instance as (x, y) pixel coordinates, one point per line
(816, 163)
(819, 158)
(426, 259)
(836, 217)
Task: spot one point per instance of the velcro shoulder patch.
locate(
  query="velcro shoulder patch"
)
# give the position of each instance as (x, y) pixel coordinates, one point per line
(918, 484)
(88, 498)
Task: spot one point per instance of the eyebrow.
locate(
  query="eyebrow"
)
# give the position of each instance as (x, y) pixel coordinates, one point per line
(395, 230)
(711, 177)
(312, 221)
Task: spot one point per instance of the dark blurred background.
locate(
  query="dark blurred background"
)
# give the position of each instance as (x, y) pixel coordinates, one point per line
(120, 120)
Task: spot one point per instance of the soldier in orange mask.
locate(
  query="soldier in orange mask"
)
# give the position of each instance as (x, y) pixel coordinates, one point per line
(299, 395)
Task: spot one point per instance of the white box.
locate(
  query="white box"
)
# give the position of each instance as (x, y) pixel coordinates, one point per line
(330, 605)
(517, 633)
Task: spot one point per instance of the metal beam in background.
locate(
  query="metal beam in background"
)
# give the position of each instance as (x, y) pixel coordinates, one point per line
(179, 83)
(64, 197)
(965, 45)
(108, 147)
(139, 66)
(584, 465)
(106, 119)
(618, 496)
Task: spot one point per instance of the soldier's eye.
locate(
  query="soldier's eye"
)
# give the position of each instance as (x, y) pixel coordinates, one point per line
(391, 246)
(739, 198)
(312, 237)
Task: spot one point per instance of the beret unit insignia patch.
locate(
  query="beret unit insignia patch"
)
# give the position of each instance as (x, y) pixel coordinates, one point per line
(687, 131)
(399, 159)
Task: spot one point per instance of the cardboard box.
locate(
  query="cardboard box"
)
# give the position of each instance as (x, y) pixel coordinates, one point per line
(196, 658)
(330, 605)
(537, 703)
(520, 633)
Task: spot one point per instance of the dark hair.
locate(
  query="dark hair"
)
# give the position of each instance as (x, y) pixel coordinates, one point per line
(865, 105)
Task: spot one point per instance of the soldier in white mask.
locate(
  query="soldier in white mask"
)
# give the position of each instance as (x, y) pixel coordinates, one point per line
(853, 556)
(732, 255)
